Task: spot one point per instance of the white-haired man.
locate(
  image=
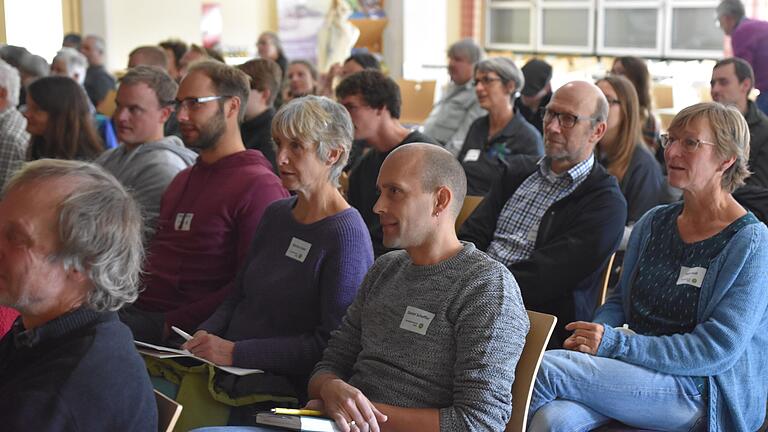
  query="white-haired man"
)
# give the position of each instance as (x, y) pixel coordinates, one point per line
(71, 249)
(14, 138)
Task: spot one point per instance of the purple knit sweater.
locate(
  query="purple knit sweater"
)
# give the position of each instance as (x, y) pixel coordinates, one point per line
(283, 309)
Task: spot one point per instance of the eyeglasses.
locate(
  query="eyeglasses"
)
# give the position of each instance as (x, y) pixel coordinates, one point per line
(690, 145)
(485, 81)
(566, 120)
(193, 103)
(613, 101)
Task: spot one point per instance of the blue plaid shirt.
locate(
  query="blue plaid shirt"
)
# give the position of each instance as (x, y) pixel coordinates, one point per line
(518, 225)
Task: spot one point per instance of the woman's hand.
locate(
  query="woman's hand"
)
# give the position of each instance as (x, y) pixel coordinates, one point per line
(349, 407)
(211, 348)
(586, 337)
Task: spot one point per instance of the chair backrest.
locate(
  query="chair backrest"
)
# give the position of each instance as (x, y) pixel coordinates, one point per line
(541, 329)
(601, 296)
(168, 412)
(470, 204)
(418, 98)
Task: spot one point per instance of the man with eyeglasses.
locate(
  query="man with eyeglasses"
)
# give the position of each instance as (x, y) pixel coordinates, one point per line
(555, 222)
(146, 160)
(209, 211)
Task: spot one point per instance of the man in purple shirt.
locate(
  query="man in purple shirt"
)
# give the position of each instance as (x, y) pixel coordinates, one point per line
(749, 39)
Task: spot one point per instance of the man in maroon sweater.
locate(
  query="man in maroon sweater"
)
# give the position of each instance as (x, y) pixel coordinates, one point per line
(209, 212)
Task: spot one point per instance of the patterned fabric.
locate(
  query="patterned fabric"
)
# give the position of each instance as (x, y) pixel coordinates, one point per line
(14, 140)
(659, 304)
(518, 226)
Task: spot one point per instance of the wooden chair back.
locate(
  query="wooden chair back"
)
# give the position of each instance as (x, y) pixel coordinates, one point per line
(541, 329)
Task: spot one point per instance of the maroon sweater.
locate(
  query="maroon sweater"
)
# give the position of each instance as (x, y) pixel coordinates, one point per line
(208, 216)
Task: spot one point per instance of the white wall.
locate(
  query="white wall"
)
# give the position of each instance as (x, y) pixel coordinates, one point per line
(126, 24)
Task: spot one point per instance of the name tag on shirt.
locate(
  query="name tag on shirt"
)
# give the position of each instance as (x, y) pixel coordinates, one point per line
(183, 221)
(298, 249)
(691, 276)
(416, 320)
(472, 155)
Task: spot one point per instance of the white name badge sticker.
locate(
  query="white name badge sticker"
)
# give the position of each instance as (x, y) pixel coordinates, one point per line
(183, 221)
(472, 155)
(691, 276)
(298, 249)
(416, 320)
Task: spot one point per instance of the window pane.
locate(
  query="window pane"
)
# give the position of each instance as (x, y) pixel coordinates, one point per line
(566, 27)
(630, 28)
(694, 29)
(510, 26)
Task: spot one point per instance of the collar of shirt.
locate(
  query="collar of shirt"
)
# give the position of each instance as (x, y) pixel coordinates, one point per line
(52, 329)
(576, 174)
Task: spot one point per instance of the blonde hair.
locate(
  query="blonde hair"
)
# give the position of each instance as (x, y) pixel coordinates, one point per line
(731, 136)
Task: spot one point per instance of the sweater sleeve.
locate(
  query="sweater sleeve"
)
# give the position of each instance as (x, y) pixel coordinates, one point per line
(339, 277)
(491, 327)
(734, 310)
(345, 343)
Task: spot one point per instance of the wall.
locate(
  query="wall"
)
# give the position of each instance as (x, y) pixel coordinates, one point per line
(126, 24)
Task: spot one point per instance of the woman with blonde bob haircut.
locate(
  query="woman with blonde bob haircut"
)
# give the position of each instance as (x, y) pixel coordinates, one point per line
(308, 257)
(693, 349)
(622, 152)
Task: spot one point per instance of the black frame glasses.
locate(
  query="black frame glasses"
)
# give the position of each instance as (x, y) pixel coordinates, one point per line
(565, 120)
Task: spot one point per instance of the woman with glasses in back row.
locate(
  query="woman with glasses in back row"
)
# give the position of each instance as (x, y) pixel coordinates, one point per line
(492, 140)
(694, 347)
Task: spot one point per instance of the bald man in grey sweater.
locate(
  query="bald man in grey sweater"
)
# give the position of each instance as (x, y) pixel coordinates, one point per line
(432, 340)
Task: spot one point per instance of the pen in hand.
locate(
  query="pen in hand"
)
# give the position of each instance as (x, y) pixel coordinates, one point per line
(181, 333)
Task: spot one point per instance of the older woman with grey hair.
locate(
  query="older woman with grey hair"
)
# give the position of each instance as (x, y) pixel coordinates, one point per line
(494, 139)
(693, 349)
(308, 257)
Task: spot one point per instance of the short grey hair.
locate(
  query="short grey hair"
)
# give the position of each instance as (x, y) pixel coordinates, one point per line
(319, 121)
(731, 8)
(100, 229)
(506, 70)
(439, 168)
(466, 48)
(11, 82)
(75, 61)
(157, 79)
(601, 110)
(731, 135)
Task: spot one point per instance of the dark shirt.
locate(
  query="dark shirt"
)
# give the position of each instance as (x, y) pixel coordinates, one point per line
(98, 82)
(534, 117)
(643, 184)
(484, 158)
(257, 135)
(78, 372)
(758, 145)
(576, 236)
(362, 193)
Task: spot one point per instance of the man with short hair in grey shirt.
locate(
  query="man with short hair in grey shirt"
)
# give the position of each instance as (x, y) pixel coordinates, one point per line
(432, 340)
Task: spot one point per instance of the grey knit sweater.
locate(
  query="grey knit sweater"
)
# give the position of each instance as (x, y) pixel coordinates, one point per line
(444, 336)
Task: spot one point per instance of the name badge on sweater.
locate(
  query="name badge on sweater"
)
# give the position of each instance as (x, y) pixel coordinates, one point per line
(183, 221)
(691, 276)
(416, 320)
(472, 155)
(298, 249)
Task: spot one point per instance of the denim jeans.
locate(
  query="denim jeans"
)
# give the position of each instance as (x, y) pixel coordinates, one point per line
(579, 392)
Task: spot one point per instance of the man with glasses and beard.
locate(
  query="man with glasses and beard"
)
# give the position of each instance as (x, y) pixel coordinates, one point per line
(210, 210)
(555, 222)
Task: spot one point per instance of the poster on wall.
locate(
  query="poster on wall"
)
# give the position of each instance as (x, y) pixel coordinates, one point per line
(299, 23)
(211, 25)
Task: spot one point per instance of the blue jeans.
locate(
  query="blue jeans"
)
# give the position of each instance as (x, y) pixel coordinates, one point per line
(579, 392)
(762, 102)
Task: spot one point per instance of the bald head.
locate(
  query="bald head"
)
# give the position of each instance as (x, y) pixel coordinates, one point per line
(437, 167)
(591, 99)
